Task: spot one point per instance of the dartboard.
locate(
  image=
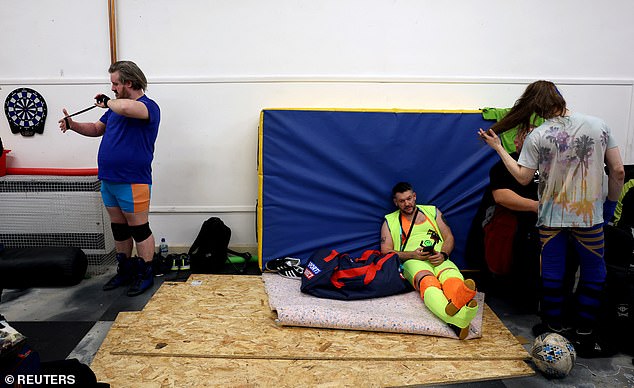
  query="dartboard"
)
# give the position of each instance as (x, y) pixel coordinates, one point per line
(26, 111)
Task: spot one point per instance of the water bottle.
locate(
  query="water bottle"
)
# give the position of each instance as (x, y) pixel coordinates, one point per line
(163, 248)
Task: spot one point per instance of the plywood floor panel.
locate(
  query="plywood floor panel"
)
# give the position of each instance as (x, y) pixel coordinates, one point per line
(221, 336)
(141, 371)
(225, 322)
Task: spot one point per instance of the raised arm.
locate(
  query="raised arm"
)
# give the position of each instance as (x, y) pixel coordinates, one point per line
(126, 107)
(522, 174)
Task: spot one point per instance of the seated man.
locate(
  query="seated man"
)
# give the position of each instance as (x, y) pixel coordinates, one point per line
(423, 241)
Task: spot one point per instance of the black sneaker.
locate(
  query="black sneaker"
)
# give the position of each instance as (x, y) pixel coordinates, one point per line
(125, 273)
(144, 278)
(176, 262)
(542, 328)
(461, 332)
(592, 346)
(161, 265)
(291, 271)
(185, 266)
(277, 264)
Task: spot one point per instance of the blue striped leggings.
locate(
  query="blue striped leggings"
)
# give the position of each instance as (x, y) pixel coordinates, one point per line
(588, 244)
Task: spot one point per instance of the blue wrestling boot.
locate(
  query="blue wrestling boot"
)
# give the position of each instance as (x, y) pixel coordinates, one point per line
(144, 278)
(125, 273)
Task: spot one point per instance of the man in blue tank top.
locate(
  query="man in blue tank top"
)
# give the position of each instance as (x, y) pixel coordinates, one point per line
(128, 128)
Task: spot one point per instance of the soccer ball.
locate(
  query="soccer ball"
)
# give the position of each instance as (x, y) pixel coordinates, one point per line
(553, 355)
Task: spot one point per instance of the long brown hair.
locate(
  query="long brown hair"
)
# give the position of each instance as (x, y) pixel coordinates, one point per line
(541, 98)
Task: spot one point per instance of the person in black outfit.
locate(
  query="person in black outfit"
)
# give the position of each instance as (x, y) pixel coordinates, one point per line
(505, 194)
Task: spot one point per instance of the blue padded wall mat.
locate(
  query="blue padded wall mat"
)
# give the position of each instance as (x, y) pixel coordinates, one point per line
(325, 176)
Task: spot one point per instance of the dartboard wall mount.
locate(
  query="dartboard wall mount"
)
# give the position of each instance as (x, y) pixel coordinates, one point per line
(26, 111)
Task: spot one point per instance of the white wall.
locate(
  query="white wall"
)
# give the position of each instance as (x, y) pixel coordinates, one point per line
(214, 65)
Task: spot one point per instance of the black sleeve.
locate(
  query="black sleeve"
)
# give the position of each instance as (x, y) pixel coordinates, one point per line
(501, 178)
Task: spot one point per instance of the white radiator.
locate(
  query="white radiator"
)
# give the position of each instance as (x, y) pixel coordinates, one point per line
(56, 211)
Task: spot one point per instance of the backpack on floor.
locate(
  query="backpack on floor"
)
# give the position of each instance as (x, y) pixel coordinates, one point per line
(210, 250)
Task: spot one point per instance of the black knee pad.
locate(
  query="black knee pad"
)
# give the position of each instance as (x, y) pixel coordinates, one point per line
(120, 232)
(140, 232)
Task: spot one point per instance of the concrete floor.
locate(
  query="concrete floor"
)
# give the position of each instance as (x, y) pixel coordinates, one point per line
(86, 302)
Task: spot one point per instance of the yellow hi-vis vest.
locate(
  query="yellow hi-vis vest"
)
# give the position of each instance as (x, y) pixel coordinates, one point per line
(419, 231)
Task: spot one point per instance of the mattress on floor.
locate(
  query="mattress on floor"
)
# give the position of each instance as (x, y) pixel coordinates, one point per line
(404, 313)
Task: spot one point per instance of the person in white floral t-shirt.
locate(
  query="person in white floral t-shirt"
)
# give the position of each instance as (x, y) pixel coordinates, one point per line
(570, 150)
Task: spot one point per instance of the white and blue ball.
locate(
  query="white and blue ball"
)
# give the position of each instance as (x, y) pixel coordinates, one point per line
(553, 355)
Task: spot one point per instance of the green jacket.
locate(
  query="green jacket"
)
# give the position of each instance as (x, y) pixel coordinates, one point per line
(507, 137)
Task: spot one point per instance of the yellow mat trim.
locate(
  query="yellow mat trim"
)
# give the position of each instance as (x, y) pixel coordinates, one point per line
(386, 110)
